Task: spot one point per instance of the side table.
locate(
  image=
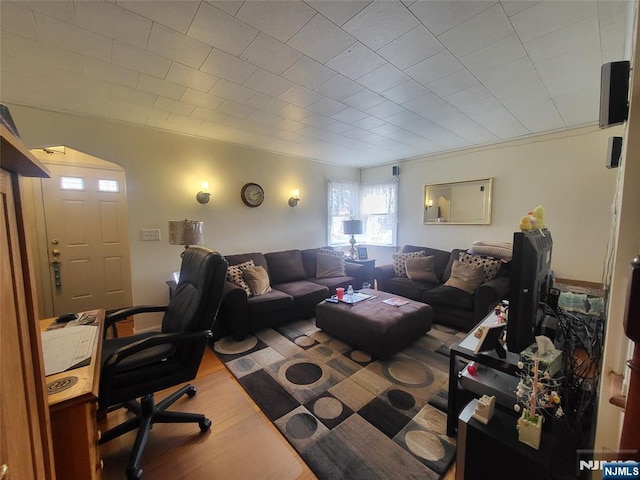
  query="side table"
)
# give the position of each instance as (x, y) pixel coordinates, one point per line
(369, 264)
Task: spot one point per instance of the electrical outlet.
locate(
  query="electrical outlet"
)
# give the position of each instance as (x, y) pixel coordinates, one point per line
(150, 234)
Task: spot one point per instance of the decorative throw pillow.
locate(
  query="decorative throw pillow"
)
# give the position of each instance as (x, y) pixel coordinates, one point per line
(399, 260)
(258, 280)
(489, 265)
(492, 249)
(421, 269)
(331, 251)
(329, 266)
(465, 276)
(234, 274)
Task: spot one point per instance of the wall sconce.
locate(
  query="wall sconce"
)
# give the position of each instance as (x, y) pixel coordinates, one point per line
(295, 198)
(203, 196)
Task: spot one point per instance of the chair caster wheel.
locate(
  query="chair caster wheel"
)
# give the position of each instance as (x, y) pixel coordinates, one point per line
(205, 424)
(192, 391)
(134, 474)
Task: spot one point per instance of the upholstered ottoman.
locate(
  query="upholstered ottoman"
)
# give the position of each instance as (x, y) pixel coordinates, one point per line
(374, 326)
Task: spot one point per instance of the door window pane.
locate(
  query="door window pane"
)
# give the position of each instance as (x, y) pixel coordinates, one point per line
(72, 183)
(105, 185)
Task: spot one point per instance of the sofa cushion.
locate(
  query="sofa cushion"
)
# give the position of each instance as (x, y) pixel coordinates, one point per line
(272, 301)
(306, 295)
(445, 296)
(258, 280)
(466, 276)
(399, 259)
(405, 287)
(329, 266)
(421, 269)
(235, 275)
(333, 282)
(285, 266)
(488, 264)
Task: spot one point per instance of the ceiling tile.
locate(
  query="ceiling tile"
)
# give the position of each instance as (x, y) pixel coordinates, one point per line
(289, 125)
(383, 78)
(195, 97)
(113, 22)
(424, 104)
(94, 68)
(481, 30)
(380, 23)
(174, 106)
(190, 77)
(535, 110)
(434, 68)
(369, 122)
(339, 88)
(439, 17)
(18, 20)
(268, 83)
(270, 54)
(405, 92)
(70, 37)
(511, 7)
(130, 95)
(468, 95)
(160, 87)
(41, 53)
(516, 78)
(578, 36)
(456, 82)
(570, 72)
(264, 117)
(364, 99)
(577, 105)
(220, 30)
(208, 115)
(349, 115)
(320, 39)
(492, 56)
(175, 15)
(300, 96)
(235, 109)
(229, 6)
(317, 120)
(403, 118)
(265, 103)
(176, 46)
(411, 48)
(384, 109)
(279, 18)
(308, 73)
(356, 61)
(327, 106)
(546, 17)
(293, 112)
(62, 10)
(227, 66)
(231, 91)
(338, 11)
(140, 60)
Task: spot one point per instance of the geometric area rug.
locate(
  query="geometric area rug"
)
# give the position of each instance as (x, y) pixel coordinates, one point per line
(348, 414)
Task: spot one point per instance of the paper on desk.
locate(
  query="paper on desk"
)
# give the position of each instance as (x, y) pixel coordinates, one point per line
(65, 347)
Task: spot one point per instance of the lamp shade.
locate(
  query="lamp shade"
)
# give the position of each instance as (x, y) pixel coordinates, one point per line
(352, 227)
(186, 232)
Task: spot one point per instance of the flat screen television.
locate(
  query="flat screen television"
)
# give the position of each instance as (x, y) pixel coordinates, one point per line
(528, 286)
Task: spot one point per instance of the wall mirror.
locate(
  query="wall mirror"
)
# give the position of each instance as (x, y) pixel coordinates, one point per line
(458, 203)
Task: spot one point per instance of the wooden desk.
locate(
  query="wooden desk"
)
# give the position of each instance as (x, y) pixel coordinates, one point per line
(74, 427)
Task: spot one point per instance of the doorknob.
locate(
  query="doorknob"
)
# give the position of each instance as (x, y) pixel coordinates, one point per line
(55, 252)
(4, 472)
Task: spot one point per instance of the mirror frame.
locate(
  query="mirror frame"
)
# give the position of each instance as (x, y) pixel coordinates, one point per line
(486, 207)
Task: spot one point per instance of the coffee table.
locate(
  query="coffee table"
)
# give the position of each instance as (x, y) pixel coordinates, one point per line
(374, 326)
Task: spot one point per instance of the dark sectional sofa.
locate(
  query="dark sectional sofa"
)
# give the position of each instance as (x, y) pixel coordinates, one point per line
(451, 306)
(295, 291)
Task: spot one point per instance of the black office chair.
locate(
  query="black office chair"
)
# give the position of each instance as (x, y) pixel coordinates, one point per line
(137, 366)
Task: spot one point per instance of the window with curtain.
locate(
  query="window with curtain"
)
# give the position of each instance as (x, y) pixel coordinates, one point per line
(379, 212)
(376, 204)
(342, 205)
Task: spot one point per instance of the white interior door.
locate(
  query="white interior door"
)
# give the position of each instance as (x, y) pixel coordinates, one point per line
(85, 212)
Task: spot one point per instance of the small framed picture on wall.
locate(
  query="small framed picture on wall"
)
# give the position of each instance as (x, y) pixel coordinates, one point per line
(362, 253)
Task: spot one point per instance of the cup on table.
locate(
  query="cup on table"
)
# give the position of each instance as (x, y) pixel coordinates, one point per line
(339, 293)
(366, 285)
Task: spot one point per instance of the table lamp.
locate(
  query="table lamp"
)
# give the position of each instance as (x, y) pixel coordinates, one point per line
(352, 227)
(186, 232)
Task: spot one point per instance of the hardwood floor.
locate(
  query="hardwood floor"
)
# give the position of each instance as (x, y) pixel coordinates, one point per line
(241, 444)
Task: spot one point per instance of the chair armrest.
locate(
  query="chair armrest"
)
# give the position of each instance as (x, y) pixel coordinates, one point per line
(111, 319)
(234, 310)
(355, 270)
(488, 295)
(382, 275)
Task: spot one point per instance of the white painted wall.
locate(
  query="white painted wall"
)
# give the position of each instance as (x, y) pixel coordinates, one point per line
(164, 173)
(564, 172)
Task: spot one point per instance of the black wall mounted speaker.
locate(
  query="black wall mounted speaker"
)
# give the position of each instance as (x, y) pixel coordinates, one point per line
(395, 170)
(614, 93)
(614, 151)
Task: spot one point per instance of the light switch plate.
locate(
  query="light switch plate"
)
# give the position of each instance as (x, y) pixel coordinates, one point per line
(150, 234)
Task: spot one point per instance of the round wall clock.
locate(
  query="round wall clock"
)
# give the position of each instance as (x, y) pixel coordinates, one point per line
(252, 194)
